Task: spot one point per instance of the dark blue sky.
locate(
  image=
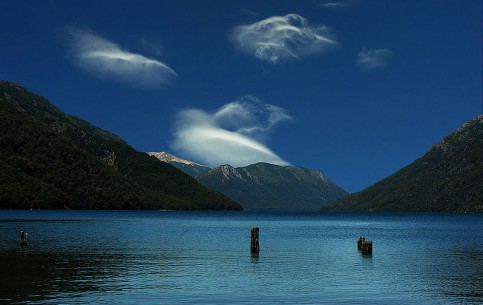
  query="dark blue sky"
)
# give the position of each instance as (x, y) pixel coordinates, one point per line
(356, 89)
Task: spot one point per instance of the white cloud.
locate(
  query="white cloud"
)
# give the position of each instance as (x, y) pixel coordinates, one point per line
(106, 60)
(282, 38)
(231, 135)
(336, 4)
(332, 5)
(373, 59)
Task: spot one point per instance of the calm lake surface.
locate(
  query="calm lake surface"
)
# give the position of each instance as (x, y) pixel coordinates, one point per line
(155, 257)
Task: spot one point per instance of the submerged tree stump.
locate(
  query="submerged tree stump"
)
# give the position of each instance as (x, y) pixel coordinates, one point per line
(365, 246)
(254, 243)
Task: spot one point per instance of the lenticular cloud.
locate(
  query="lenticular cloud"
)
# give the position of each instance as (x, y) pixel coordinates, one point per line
(106, 60)
(231, 135)
(282, 38)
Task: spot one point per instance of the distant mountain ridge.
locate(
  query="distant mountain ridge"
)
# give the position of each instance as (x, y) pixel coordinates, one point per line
(264, 186)
(448, 178)
(51, 160)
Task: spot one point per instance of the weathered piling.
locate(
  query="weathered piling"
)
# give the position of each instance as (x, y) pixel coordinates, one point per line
(365, 246)
(360, 241)
(254, 243)
(23, 238)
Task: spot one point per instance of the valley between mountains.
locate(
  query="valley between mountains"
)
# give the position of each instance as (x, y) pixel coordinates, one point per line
(52, 160)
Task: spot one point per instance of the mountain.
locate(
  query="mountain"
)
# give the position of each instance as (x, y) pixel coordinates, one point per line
(191, 168)
(263, 186)
(448, 178)
(51, 160)
(270, 187)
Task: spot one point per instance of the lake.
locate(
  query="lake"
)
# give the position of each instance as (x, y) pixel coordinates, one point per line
(166, 257)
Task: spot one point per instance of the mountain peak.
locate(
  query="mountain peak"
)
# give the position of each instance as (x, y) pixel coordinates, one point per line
(263, 186)
(167, 157)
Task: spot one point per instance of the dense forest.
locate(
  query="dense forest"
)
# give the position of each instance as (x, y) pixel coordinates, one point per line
(51, 160)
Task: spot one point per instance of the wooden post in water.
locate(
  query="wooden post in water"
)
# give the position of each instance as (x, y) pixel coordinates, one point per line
(23, 238)
(254, 243)
(360, 241)
(365, 246)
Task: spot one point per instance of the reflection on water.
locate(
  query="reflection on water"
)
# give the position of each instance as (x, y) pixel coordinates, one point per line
(37, 275)
(79, 257)
(458, 276)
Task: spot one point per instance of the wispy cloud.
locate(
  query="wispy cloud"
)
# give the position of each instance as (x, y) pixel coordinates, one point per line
(107, 60)
(335, 4)
(332, 5)
(370, 59)
(282, 38)
(233, 134)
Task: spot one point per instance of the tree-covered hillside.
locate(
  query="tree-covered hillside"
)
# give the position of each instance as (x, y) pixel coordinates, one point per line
(448, 178)
(51, 160)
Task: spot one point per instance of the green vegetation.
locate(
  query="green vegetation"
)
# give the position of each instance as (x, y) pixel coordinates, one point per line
(448, 178)
(50, 160)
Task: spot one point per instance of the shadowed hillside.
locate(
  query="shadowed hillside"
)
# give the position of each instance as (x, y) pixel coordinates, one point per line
(448, 178)
(51, 160)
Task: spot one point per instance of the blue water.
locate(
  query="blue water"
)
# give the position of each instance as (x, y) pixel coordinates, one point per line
(155, 257)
